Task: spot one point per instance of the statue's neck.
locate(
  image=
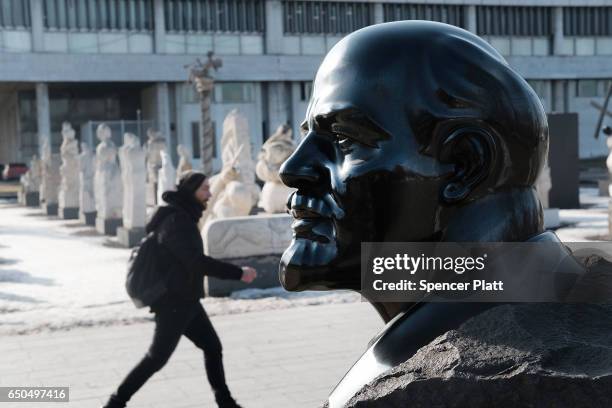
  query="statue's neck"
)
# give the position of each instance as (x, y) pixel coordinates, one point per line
(512, 215)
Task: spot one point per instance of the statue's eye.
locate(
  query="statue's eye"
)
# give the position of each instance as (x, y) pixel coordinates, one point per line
(345, 143)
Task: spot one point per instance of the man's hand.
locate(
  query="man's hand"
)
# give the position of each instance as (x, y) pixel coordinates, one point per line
(248, 274)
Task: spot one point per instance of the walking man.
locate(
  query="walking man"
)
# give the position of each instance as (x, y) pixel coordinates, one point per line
(180, 312)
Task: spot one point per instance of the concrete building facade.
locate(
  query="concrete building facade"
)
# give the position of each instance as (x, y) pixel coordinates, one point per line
(125, 60)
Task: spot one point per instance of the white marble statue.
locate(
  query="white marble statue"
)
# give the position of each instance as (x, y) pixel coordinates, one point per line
(87, 203)
(133, 175)
(31, 180)
(69, 170)
(273, 153)
(155, 144)
(107, 179)
(543, 184)
(234, 191)
(50, 174)
(184, 163)
(166, 180)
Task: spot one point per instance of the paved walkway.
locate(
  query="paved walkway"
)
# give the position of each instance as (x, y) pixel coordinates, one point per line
(284, 358)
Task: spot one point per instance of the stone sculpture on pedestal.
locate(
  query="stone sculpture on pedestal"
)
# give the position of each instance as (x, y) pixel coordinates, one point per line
(234, 192)
(87, 202)
(166, 180)
(29, 194)
(50, 179)
(133, 176)
(155, 144)
(273, 153)
(416, 131)
(184, 163)
(69, 171)
(107, 183)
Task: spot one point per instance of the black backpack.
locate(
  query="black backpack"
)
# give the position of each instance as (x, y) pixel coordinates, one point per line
(147, 278)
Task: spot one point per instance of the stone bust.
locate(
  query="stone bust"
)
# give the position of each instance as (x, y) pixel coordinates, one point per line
(416, 131)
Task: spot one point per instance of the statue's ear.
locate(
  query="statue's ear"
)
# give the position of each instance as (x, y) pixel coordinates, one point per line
(471, 149)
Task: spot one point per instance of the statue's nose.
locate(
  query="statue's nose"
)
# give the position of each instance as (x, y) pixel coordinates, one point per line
(306, 166)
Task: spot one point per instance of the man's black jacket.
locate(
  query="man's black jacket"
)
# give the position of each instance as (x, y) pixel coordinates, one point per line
(182, 249)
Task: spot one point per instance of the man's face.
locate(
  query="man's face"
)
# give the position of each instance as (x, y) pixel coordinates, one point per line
(202, 194)
(359, 172)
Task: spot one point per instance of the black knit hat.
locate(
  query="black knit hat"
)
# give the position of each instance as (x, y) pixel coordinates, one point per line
(190, 181)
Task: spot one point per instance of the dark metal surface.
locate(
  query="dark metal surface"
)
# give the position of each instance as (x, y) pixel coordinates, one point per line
(416, 131)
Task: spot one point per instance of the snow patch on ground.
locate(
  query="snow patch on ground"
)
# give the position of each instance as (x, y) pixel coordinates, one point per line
(58, 275)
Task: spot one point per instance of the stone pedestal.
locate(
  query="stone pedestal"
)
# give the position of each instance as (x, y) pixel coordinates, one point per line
(107, 226)
(130, 237)
(69, 213)
(88, 218)
(50, 208)
(604, 186)
(551, 218)
(31, 199)
(257, 241)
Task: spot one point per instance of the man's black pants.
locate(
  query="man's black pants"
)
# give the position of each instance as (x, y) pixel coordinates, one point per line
(170, 323)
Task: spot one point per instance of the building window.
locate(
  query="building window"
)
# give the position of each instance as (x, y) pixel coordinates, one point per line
(587, 88)
(520, 21)
(90, 15)
(449, 14)
(305, 91)
(231, 16)
(325, 17)
(587, 21)
(233, 92)
(14, 14)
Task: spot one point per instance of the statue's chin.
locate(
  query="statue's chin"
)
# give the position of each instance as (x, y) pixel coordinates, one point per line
(305, 264)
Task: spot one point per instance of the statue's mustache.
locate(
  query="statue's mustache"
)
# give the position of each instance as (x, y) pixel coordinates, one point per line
(309, 207)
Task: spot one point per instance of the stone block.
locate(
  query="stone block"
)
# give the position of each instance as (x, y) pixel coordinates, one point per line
(31, 199)
(199, 44)
(239, 237)
(17, 40)
(108, 226)
(314, 45)
(88, 218)
(55, 41)
(291, 45)
(257, 240)
(113, 43)
(50, 208)
(69, 213)
(251, 44)
(267, 275)
(227, 44)
(547, 355)
(140, 43)
(130, 237)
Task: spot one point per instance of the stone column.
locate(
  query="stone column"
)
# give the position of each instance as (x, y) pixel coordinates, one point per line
(279, 104)
(274, 27)
(471, 22)
(379, 13)
(43, 117)
(36, 17)
(557, 31)
(162, 108)
(201, 77)
(159, 22)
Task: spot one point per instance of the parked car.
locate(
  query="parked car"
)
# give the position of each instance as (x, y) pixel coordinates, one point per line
(13, 171)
